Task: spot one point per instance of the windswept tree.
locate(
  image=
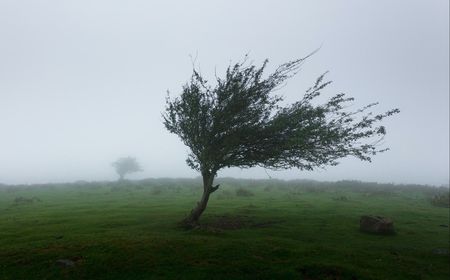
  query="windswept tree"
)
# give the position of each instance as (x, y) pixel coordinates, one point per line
(125, 166)
(239, 122)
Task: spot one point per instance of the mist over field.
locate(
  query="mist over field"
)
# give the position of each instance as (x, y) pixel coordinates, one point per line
(224, 139)
(84, 83)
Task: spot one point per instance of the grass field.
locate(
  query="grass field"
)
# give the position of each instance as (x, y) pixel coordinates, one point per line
(252, 229)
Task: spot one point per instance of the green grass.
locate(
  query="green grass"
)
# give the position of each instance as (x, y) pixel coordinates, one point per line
(304, 230)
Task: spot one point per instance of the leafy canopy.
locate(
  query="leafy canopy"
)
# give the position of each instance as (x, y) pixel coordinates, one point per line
(240, 122)
(126, 165)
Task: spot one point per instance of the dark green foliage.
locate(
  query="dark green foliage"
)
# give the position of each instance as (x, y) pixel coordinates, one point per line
(239, 122)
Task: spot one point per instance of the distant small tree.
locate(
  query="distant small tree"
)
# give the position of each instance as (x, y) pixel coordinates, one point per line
(125, 166)
(239, 122)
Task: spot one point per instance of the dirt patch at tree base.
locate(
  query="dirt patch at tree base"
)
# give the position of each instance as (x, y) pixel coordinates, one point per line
(234, 222)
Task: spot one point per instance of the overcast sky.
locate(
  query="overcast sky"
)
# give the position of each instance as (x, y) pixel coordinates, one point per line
(84, 82)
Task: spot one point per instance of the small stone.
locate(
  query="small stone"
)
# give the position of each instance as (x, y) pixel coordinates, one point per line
(376, 224)
(441, 251)
(65, 263)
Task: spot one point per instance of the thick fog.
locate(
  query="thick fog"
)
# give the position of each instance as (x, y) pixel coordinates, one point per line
(83, 83)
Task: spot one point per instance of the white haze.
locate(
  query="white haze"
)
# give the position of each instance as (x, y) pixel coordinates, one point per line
(84, 82)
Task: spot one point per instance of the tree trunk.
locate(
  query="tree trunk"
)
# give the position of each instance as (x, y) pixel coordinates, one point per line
(121, 177)
(193, 218)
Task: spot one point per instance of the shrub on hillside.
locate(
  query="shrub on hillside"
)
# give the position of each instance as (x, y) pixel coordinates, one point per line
(244, 193)
(23, 200)
(441, 200)
(340, 198)
(225, 194)
(157, 190)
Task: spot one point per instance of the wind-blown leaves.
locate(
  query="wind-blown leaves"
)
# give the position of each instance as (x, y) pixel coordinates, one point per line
(239, 122)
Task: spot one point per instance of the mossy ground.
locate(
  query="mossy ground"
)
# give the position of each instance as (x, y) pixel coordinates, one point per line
(286, 230)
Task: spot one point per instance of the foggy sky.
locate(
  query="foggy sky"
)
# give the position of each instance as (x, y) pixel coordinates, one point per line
(84, 82)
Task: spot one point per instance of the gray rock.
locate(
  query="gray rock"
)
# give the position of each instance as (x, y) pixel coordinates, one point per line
(441, 251)
(376, 224)
(65, 263)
